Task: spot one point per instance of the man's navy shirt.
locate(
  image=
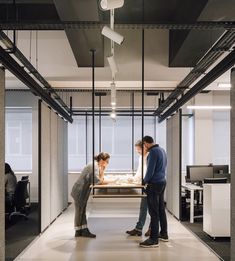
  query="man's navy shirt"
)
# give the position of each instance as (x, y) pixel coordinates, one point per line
(156, 165)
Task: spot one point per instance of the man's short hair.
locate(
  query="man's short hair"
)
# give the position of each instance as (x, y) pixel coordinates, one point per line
(147, 139)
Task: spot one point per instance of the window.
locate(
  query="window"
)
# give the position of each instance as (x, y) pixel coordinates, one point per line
(18, 145)
(77, 144)
(116, 136)
(116, 139)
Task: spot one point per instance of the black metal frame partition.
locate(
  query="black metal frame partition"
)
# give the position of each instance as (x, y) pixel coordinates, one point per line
(142, 114)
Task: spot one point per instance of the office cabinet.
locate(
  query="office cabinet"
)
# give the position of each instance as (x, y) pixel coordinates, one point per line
(216, 210)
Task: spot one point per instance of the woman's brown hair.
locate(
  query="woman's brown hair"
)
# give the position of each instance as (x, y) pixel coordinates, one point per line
(102, 156)
(139, 143)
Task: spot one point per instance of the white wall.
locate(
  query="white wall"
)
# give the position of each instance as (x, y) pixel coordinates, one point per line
(212, 131)
(83, 100)
(203, 130)
(187, 141)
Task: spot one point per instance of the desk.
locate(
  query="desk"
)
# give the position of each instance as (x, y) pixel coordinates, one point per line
(192, 188)
(117, 186)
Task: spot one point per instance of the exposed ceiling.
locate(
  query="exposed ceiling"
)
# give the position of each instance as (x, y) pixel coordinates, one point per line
(64, 58)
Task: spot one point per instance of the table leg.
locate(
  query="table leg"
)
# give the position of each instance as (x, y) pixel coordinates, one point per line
(192, 206)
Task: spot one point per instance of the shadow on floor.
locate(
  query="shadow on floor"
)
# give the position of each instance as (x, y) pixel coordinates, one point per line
(19, 233)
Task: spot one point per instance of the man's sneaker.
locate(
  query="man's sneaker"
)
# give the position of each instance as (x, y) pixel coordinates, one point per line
(86, 233)
(163, 238)
(149, 243)
(134, 232)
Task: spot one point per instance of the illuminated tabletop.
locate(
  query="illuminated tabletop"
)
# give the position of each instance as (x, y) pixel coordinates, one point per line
(118, 186)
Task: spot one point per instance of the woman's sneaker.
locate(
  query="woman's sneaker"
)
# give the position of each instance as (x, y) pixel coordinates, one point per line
(134, 232)
(87, 233)
(149, 243)
(78, 233)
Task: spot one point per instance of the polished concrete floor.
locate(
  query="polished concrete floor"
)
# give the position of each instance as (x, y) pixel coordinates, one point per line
(109, 220)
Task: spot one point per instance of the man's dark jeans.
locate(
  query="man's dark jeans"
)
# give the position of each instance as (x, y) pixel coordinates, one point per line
(156, 206)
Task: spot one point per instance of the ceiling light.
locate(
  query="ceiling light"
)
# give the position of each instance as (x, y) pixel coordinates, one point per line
(112, 35)
(111, 4)
(112, 65)
(113, 115)
(198, 107)
(224, 85)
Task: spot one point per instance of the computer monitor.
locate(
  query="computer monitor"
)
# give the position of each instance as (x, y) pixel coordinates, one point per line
(199, 173)
(215, 180)
(220, 169)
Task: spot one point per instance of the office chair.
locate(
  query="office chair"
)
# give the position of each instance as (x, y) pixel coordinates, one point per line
(24, 177)
(20, 197)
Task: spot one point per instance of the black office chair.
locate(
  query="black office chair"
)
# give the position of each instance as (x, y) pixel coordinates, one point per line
(25, 178)
(20, 196)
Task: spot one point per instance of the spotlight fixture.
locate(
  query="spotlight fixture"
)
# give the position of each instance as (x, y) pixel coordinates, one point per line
(111, 4)
(113, 115)
(112, 35)
(112, 65)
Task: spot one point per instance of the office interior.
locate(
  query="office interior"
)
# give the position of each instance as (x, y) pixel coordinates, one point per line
(174, 81)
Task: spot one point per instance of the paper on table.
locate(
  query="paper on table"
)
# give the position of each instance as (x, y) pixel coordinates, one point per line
(121, 179)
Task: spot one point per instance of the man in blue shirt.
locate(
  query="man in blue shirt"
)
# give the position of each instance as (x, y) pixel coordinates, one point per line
(155, 179)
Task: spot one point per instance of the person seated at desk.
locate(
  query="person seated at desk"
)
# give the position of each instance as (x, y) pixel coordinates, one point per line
(81, 191)
(137, 231)
(10, 186)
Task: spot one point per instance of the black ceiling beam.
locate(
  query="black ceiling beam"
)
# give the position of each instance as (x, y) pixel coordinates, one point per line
(220, 47)
(82, 41)
(211, 76)
(63, 25)
(71, 90)
(108, 114)
(180, 42)
(28, 12)
(9, 63)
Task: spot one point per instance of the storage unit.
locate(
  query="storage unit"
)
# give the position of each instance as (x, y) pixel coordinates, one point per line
(216, 210)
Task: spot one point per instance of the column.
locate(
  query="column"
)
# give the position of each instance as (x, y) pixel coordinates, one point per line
(2, 164)
(232, 102)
